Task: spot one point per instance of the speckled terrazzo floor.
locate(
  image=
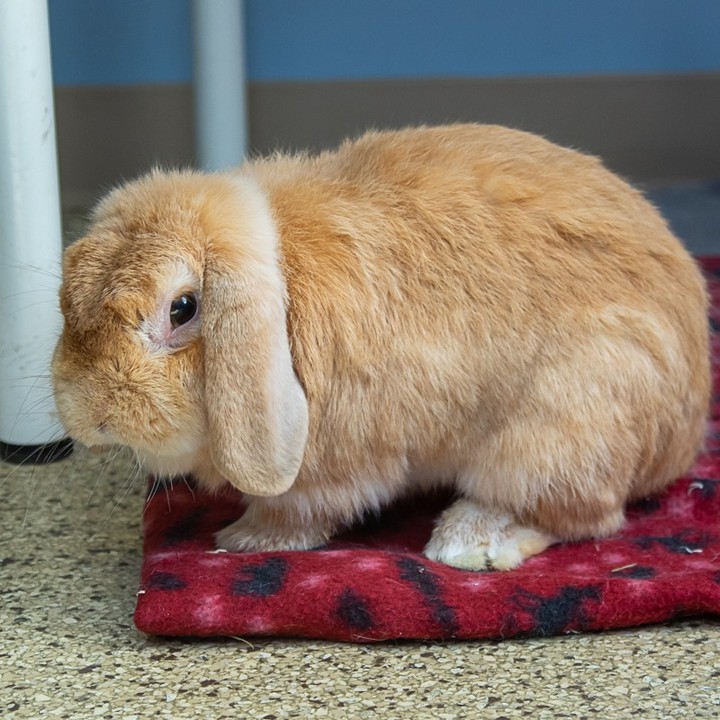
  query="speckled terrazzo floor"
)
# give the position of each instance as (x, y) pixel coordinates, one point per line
(70, 549)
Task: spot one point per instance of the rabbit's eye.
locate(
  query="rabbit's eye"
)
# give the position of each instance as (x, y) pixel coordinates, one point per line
(183, 309)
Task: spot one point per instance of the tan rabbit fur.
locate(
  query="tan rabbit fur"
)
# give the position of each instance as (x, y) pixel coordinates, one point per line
(468, 305)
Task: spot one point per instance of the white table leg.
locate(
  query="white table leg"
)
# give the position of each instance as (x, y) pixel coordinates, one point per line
(30, 236)
(219, 83)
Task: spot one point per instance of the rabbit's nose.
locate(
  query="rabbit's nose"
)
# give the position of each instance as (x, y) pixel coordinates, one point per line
(105, 431)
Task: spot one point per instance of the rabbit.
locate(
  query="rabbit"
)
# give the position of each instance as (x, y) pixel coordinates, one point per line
(465, 306)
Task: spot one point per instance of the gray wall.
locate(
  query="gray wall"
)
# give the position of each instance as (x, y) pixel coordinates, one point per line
(653, 128)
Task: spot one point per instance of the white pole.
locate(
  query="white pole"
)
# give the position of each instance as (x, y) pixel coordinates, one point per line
(219, 83)
(30, 231)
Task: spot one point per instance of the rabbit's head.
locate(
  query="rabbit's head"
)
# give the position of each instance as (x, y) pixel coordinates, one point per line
(175, 341)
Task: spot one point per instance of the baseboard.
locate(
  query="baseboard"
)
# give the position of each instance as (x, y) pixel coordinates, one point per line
(653, 128)
(110, 133)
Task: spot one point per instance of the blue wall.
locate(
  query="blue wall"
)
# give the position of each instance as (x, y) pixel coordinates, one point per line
(149, 41)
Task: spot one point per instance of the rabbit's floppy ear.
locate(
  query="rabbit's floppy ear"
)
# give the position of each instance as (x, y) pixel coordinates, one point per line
(256, 409)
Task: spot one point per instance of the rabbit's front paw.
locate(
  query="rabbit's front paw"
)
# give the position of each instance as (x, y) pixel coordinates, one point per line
(471, 538)
(246, 535)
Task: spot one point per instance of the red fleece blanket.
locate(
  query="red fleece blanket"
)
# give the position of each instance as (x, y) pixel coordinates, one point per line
(373, 583)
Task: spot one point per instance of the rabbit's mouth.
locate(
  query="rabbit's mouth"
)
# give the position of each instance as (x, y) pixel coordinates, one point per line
(167, 466)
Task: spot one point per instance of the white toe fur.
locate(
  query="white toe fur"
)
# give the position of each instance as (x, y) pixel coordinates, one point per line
(471, 538)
